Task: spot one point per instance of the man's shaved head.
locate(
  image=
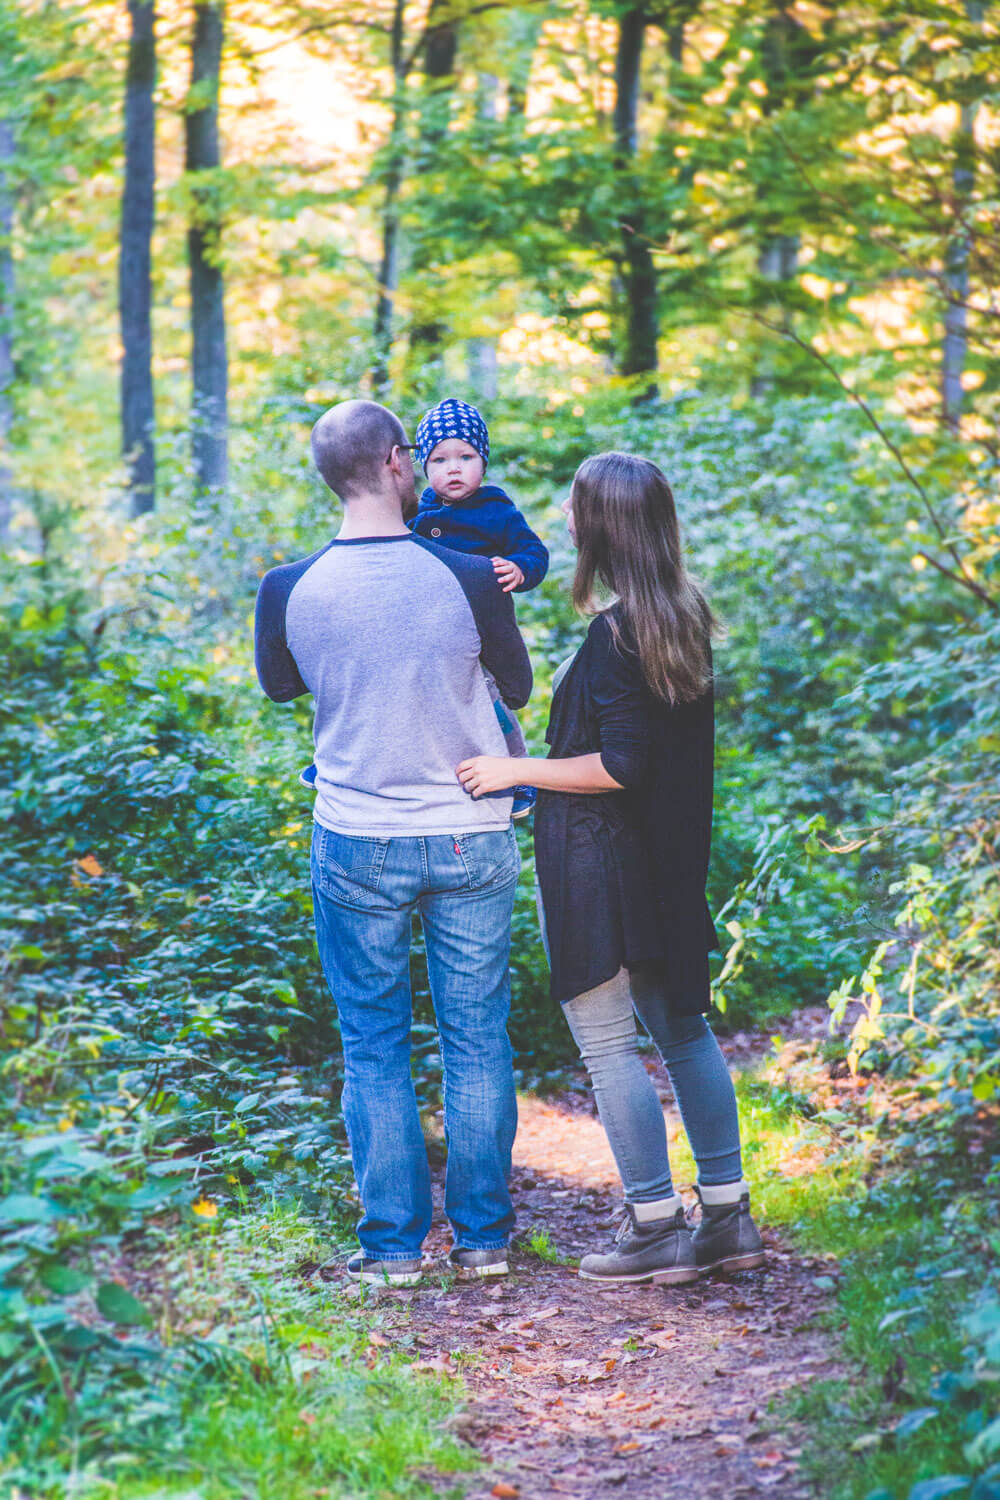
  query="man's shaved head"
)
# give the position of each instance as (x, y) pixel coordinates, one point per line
(350, 445)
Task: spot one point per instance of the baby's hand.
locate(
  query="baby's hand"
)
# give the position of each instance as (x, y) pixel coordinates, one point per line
(508, 573)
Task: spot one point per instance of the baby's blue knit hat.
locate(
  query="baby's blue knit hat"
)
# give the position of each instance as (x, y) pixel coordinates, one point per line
(452, 419)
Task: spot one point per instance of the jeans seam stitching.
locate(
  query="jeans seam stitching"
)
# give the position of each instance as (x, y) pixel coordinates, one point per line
(461, 844)
(378, 862)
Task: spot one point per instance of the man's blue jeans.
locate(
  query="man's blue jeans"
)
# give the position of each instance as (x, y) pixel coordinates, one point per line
(365, 891)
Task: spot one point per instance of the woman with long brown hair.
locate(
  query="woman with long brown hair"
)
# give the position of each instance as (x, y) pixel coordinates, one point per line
(622, 837)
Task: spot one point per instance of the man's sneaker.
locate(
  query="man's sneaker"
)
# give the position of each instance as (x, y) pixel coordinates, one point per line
(658, 1251)
(525, 798)
(727, 1239)
(307, 778)
(374, 1272)
(478, 1262)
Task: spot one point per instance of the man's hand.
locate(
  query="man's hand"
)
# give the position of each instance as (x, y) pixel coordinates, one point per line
(487, 773)
(508, 573)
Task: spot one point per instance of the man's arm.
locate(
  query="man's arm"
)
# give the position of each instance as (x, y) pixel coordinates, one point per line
(501, 649)
(277, 671)
(522, 546)
(503, 653)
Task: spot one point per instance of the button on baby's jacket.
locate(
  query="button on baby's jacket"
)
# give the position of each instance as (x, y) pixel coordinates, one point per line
(487, 524)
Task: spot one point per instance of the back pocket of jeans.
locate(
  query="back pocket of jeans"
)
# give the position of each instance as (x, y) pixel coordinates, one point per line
(489, 858)
(348, 869)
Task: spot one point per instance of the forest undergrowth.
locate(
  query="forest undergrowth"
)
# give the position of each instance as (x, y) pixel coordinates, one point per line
(172, 1145)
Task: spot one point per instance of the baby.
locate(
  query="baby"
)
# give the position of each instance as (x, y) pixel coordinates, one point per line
(457, 510)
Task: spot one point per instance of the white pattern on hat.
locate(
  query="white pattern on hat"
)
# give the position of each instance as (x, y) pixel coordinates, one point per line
(452, 418)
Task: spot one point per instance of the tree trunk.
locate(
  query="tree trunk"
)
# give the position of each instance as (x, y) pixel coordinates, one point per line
(134, 260)
(638, 272)
(209, 371)
(7, 491)
(525, 30)
(777, 261)
(777, 254)
(440, 52)
(481, 351)
(956, 318)
(388, 274)
(481, 362)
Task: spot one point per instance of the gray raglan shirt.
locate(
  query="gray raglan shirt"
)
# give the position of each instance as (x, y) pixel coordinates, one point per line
(390, 635)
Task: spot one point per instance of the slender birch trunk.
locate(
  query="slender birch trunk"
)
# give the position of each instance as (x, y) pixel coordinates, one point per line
(202, 155)
(7, 488)
(440, 54)
(638, 272)
(135, 260)
(956, 316)
(388, 274)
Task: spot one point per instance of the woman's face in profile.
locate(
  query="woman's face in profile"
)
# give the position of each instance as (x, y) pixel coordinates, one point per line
(567, 510)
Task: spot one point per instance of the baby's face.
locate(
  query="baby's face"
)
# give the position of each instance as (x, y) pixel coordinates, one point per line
(454, 469)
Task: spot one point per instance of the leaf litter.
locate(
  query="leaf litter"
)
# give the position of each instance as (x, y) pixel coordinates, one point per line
(579, 1389)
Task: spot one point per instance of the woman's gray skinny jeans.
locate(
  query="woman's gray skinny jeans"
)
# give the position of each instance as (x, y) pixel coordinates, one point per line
(602, 1021)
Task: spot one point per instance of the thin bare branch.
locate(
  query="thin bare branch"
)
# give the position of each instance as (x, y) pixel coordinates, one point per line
(960, 576)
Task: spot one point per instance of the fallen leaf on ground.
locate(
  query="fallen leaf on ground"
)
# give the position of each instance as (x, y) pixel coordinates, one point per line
(660, 1340)
(504, 1491)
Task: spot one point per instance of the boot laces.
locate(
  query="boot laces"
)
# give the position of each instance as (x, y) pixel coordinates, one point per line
(624, 1228)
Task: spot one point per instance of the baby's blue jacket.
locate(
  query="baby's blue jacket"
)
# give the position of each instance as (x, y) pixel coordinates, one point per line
(488, 524)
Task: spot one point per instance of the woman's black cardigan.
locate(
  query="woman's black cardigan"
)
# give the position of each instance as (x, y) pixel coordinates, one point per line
(622, 874)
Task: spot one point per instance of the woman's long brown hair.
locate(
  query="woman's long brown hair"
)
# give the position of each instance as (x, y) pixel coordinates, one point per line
(629, 539)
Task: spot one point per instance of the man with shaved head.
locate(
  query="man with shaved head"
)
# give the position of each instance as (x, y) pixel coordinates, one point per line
(348, 444)
(390, 633)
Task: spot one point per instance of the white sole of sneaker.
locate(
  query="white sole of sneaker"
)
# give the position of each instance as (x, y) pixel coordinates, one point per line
(386, 1278)
(675, 1276)
(469, 1273)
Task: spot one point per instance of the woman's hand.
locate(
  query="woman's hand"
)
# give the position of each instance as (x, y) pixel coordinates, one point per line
(583, 775)
(487, 773)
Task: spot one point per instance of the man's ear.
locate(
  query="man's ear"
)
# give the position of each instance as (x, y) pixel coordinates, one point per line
(396, 463)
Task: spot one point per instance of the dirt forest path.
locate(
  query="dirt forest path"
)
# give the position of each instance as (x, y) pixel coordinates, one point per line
(585, 1391)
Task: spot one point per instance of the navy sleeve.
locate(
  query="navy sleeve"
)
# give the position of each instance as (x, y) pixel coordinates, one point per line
(503, 652)
(621, 701)
(522, 546)
(277, 671)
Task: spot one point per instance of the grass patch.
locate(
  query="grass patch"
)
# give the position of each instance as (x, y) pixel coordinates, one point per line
(795, 1166)
(349, 1432)
(920, 1316)
(917, 1310)
(538, 1242)
(260, 1379)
